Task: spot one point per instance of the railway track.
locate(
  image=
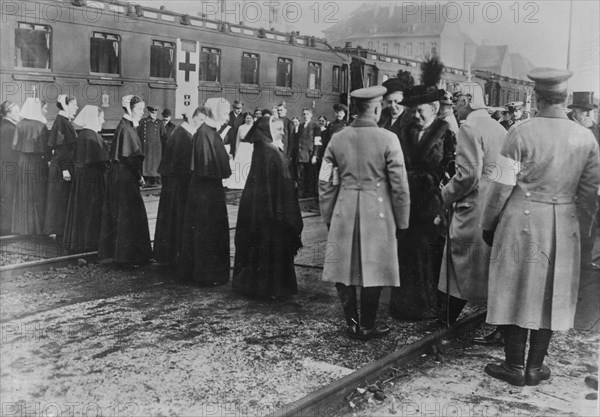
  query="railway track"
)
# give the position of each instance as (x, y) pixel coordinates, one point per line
(328, 400)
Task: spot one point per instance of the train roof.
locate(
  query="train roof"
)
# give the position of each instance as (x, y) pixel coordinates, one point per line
(135, 12)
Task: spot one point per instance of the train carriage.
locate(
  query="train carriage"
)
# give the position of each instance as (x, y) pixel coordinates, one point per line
(99, 51)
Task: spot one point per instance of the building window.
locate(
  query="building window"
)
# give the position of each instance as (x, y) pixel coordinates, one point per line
(335, 79)
(434, 48)
(385, 48)
(397, 50)
(32, 46)
(409, 49)
(420, 48)
(104, 53)
(210, 64)
(370, 45)
(162, 59)
(250, 66)
(314, 76)
(284, 72)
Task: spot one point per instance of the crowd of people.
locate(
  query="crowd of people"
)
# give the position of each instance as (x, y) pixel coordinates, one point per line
(423, 192)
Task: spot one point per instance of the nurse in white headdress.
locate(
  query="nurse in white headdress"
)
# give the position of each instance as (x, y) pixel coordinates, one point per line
(30, 195)
(82, 228)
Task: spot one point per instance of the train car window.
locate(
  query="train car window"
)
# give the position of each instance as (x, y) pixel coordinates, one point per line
(210, 65)
(33, 45)
(335, 79)
(162, 59)
(344, 79)
(105, 50)
(250, 66)
(314, 76)
(284, 72)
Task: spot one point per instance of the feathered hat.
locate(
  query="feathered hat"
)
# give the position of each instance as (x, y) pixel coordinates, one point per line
(428, 91)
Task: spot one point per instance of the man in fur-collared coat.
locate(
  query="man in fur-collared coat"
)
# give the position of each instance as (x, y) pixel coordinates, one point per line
(363, 195)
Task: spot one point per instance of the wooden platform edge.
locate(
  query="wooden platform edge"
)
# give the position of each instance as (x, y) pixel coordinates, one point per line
(328, 400)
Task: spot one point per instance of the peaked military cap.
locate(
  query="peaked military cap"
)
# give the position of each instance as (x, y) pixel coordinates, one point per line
(369, 93)
(549, 79)
(340, 107)
(152, 109)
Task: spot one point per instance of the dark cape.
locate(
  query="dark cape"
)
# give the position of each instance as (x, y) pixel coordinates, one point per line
(30, 194)
(269, 226)
(124, 233)
(421, 249)
(204, 256)
(9, 160)
(175, 174)
(82, 228)
(61, 140)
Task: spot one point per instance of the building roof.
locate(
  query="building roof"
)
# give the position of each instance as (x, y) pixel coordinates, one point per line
(520, 66)
(490, 58)
(374, 20)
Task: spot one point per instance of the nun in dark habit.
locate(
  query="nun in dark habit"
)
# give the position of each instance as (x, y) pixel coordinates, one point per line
(30, 195)
(269, 223)
(82, 228)
(61, 140)
(204, 256)
(175, 173)
(9, 117)
(124, 234)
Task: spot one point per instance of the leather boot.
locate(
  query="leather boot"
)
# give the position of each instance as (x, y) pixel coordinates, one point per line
(493, 339)
(512, 370)
(347, 295)
(449, 311)
(369, 302)
(536, 371)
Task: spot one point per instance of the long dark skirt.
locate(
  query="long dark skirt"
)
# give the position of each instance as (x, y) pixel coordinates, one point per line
(57, 200)
(264, 263)
(82, 228)
(7, 195)
(169, 221)
(30, 194)
(420, 253)
(124, 233)
(204, 257)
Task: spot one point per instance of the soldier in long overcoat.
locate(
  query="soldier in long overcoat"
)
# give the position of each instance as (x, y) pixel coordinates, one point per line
(546, 186)
(479, 142)
(364, 197)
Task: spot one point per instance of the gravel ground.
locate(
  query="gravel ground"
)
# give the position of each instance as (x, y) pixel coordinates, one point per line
(452, 383)
(101, 335)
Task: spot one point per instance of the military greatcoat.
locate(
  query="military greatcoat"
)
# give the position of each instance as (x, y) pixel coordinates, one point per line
(546, 184)
(364, 204)
(479, 142)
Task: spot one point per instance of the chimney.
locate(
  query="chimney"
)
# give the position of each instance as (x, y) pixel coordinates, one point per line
(348, 45)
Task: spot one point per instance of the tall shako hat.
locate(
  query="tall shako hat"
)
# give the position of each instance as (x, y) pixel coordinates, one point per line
(550, 80)
(427, 92)
(583, 100)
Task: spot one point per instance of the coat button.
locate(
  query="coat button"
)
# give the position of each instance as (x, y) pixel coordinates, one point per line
(378, 184)
(525, 230)
(380, 199)
(555, 198)
(527, 211)
(381, 215)
(527, 194)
